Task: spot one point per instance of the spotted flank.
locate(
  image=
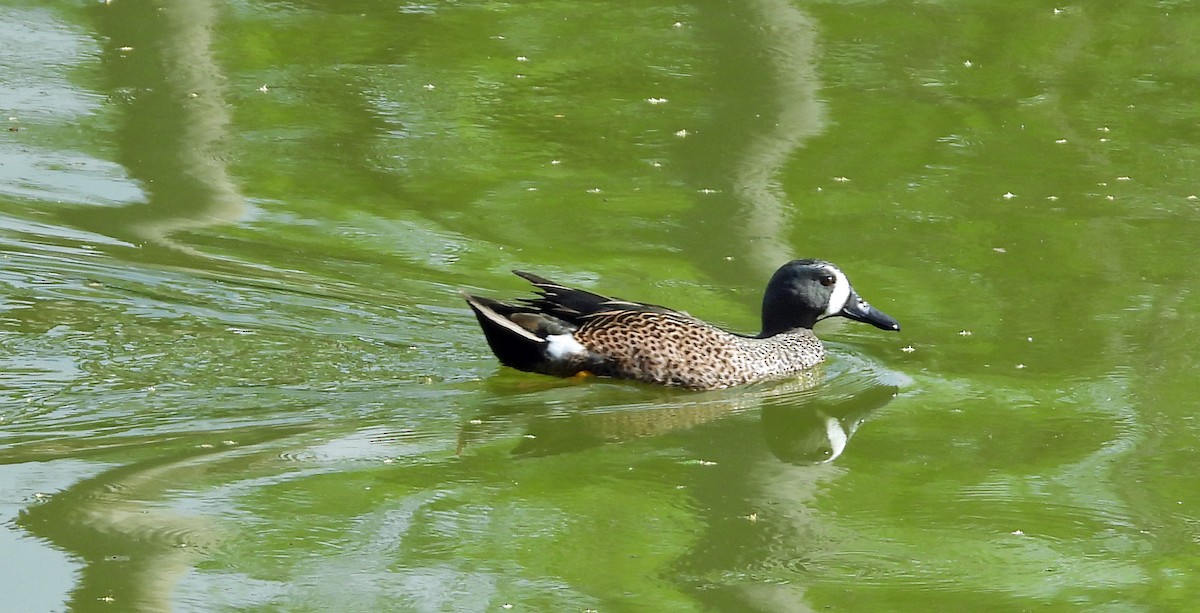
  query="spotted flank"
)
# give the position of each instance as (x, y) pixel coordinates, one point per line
(565, 332)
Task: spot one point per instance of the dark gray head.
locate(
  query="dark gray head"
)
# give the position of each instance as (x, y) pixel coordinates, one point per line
(803, 292)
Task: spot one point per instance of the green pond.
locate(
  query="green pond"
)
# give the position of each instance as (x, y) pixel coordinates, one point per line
(236, 373)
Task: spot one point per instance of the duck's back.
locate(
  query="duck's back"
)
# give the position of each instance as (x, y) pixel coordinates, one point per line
(671, 348)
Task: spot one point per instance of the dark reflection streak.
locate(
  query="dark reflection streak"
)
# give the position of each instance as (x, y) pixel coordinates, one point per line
(766, 107)
(175, 125)
(134, 548)
(813, 433)
(789, 39)
(755, 503)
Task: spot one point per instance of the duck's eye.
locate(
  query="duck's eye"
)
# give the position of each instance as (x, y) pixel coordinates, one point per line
(828, 280)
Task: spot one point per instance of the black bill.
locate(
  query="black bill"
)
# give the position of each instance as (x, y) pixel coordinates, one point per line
(859, 310)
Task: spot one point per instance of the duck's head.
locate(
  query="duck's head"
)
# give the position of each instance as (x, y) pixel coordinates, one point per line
(803, 292)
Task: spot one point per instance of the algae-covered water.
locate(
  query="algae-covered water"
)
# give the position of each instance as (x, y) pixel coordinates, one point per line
(236, 374)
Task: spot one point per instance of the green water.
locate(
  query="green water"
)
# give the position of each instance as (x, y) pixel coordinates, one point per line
(235, 373)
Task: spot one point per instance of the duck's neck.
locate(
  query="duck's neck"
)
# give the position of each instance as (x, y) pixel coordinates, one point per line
(777, 320)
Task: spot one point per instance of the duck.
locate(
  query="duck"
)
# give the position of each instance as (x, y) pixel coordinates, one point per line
(567, 332)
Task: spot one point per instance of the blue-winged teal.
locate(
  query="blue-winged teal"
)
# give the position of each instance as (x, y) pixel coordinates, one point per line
(566, 331)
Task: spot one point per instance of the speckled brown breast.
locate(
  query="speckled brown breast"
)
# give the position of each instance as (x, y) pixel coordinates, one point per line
(673, 349)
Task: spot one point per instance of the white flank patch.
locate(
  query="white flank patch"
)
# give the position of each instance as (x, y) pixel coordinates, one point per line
(841, 293)
(561, 346)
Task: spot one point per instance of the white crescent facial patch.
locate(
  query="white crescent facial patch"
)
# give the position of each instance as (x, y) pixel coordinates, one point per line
(841, 292)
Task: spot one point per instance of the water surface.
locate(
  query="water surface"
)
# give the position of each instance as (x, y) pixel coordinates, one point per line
(235, 373)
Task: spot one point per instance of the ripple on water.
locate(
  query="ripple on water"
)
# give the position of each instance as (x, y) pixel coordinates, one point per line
(376, 444)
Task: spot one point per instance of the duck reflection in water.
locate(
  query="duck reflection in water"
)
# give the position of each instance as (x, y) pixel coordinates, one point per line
(803, 421)
(819, 430)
